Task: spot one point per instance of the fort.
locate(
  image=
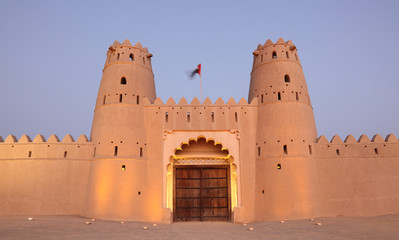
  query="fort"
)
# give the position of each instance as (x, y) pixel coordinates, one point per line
(258, 159)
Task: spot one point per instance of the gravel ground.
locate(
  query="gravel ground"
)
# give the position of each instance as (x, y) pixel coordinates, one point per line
(72, 227)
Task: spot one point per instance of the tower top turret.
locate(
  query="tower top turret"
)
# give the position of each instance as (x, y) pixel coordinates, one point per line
(127, 53)
(278, 51)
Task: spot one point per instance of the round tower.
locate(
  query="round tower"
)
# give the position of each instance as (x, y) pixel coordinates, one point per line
(118, 175)
(286, 131)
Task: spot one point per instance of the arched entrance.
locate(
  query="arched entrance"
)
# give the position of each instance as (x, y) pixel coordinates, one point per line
(202, 182)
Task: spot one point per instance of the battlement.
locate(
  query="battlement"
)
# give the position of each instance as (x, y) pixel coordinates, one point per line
(196, 102)
(279, 51)
(40, 148)
(127, 53)
(363, 147)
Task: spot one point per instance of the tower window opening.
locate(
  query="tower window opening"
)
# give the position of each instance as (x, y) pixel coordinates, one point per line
(287, 78)
(30, 154)
(166, 117)
(296, 57)
(120, 97)
(123, 81)
(236, 116)
(297, 96)
(143, 60)
(141, 151)
(258, 151)
(65, 154)
(285, 149)
(116, 151)
(261, 58)
(138, 100)
(286, 53)
(118, 56)
(104, 99)
(274, 55)
(188, 117)
(123, 168)
(94, 152)
(376, 151)
(310, 149)
(131, 57)
(279, 166)
(261, 97)
(279, 96)
(337, 152)
(213, 116)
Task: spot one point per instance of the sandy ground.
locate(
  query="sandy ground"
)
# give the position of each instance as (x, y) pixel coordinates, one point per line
(72, 227)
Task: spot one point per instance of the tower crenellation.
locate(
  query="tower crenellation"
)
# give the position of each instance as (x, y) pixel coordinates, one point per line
(127, 53)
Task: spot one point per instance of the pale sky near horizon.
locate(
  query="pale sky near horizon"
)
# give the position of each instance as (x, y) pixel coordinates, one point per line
(52, 54)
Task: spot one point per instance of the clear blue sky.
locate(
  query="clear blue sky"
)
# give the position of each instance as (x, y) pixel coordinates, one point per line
(52, 54)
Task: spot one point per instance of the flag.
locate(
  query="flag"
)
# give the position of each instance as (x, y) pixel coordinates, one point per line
(197, 70)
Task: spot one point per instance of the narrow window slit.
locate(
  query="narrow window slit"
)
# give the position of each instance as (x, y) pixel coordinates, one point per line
(123, 81)
(213, 116)
(138, 100)
(141, 152)
(236, 116)
(120, 97)
(104, 99)
(188, 117)
(116, 151)
(376, 151)
(310, 149)
(279, 166)
(258, 151)
(287, 78)
(297, 96)
(65, 154)
(123, 168)
(288, 56)
(166, 117)
(337, 152)
(30, 154)
(279, 96)
(285, 149)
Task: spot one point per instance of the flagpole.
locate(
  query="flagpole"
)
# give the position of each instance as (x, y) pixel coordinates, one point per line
(200, 89)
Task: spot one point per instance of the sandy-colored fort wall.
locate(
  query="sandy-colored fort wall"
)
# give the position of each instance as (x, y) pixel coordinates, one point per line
(44, 177)
(357, 178)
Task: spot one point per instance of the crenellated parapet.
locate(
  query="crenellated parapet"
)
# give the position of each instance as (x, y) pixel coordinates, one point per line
(377, 147)
(40, 148)
(219, 115)
(127, 53)
(272, 52)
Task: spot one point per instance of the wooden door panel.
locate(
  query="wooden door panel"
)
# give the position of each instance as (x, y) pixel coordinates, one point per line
(215, 212)
(214, 182)
(215, 202)
(201, 193)
(215, 192)
(188, 183)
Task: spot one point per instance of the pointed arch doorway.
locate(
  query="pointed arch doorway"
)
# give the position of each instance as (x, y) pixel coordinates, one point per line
(202, 182)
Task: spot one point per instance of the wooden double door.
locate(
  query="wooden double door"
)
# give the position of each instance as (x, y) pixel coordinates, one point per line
(201, 193)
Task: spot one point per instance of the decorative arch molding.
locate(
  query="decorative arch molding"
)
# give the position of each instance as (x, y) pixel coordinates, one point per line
(179, 149)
